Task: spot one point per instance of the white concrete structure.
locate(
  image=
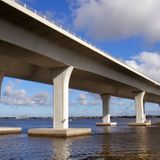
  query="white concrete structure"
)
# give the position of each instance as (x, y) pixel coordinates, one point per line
(9, 130)
(34, 48)
(61, 90)
(106, 107)
(140, 111)
(59, 133)
(106, 111)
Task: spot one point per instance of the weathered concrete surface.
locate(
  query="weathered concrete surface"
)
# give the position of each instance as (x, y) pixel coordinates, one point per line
(107, 124)
(59, 133)
(106, 107)
(139, 106)
(9, 130)
(61, 100)
(140, 124)
(106, 111)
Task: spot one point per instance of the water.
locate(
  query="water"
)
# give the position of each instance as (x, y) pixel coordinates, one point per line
(106, 143)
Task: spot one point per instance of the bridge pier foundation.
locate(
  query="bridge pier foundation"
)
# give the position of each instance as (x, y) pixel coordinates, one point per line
(106, 111)
(140, 110)
(61, 109)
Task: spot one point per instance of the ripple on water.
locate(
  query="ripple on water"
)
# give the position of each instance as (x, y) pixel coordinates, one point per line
(110, 143)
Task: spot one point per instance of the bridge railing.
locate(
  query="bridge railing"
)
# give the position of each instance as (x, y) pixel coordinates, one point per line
(42, 15)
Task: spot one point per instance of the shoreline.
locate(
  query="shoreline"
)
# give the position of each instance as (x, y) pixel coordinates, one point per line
(80, 117)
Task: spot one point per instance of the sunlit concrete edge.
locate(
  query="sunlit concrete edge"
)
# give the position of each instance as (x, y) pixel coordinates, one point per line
(10, 130)
(140, 124)
(107, 124)
(59, 133)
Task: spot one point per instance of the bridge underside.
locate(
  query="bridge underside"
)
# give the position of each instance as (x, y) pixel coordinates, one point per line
(20, 63)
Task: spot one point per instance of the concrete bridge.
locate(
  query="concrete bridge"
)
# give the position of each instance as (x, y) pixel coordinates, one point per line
(35, 48)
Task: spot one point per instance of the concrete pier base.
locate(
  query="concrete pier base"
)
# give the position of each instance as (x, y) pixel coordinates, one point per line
(107, 124)
(59, 133)
(9, 130)
(140, 124)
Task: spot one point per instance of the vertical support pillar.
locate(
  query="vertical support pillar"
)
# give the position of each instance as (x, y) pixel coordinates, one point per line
(105, 107)
(61, 77)
(106, 110)
(139, 106)
(61, 90)
(140, 110)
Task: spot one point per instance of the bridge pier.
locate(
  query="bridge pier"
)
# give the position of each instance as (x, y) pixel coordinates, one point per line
(7, 130)
(61, 108)
(61, 91)
(106, 111)
(140, 110)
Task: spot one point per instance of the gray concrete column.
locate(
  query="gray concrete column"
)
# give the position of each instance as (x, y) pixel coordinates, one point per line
(139, 106)
(106, 111)
(106, 107)
(61, 77)
(61, 104)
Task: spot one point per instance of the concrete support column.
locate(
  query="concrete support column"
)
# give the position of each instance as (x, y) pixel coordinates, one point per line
(106, 111)
(139, 106)
(61, 77)
(105, 107)
(140, 110)
(61, 104)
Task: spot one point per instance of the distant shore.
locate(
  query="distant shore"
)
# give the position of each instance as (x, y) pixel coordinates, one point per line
(80, 117)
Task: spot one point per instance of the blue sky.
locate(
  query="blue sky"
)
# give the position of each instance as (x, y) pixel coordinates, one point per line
(129, 34)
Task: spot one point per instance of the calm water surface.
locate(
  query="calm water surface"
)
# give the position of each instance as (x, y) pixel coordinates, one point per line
(106, 143)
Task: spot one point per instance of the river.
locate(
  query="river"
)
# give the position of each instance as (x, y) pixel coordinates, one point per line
(106, 143)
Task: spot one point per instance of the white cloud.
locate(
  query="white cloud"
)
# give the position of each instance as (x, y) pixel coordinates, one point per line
(91, 99)
(8, 89)
(91, 103)
(49, 14)
(86, 99)
(13, 96)
(148, 63)
(120, 19)
(83, 99)
(40, 98)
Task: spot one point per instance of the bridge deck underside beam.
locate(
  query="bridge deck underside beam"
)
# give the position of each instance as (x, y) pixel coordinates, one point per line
(24, 64)
(45, 48)
(71, 56)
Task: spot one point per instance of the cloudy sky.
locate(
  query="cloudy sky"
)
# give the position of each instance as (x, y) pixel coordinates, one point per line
(129, 30)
